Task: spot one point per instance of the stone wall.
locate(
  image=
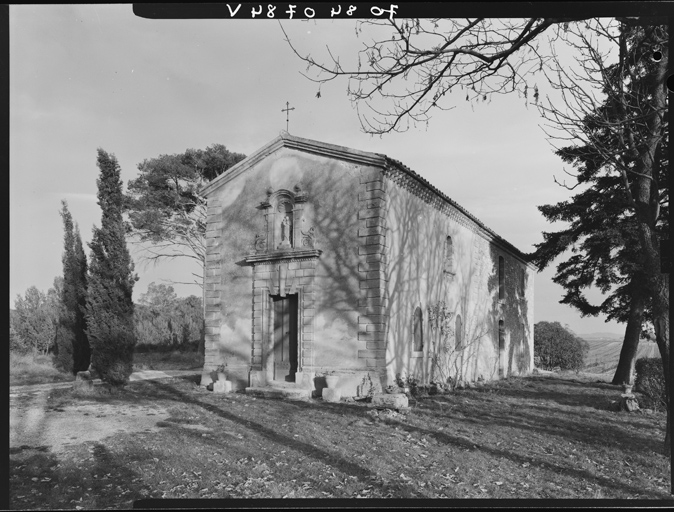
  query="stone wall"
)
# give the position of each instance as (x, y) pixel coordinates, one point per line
(418, 223)
(378, 239)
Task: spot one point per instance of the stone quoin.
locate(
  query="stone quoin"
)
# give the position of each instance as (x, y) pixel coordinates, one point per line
(327, 260)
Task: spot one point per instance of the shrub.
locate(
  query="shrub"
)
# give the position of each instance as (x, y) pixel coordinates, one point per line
(556, 347)
(650, 381)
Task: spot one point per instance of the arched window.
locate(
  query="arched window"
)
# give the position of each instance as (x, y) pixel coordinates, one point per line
(501, 278)
(458, 333)
(418, 330)
(449, 255)
(501, 348)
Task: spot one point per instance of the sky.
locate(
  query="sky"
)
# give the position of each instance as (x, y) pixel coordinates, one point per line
(84, 77)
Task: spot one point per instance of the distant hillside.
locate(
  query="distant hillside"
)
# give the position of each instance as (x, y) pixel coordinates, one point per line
(601, 335)
(605, 352)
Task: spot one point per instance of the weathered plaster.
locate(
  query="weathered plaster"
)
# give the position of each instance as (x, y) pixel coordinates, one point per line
(376, 252)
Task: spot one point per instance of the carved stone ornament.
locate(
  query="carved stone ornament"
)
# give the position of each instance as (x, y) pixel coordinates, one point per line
(308, 238)
(260, 243)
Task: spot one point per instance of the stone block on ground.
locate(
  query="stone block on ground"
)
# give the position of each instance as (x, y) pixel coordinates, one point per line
(331, 395)
(629, 403)
(389, 400)
(206, 379)
(83, 385)
(222, 386)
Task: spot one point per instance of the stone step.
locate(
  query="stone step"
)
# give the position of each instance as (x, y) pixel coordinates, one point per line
(278, 392)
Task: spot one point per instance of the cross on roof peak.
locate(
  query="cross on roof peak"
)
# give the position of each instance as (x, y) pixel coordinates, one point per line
(287, 111)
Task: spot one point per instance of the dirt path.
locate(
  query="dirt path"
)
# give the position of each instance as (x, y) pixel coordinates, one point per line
(34, 423)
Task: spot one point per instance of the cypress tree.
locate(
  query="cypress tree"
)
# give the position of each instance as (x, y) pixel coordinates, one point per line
(72, 345)
(109, 306)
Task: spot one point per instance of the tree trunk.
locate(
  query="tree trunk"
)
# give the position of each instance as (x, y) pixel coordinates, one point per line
(628, 354)
(645, 197)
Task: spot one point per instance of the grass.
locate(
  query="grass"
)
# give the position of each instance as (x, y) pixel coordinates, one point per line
(174, 360)
(25, 369)
(524, 438)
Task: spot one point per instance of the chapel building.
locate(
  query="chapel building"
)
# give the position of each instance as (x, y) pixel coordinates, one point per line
(324, 259)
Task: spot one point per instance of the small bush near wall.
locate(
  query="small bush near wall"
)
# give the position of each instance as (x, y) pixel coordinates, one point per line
(556, 347)
(650, 381)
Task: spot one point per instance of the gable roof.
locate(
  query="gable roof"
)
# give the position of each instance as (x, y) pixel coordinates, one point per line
(382, 161)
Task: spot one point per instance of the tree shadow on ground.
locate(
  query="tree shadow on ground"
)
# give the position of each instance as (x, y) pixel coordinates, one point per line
(568, 393)
(543, 424)
(337, 462)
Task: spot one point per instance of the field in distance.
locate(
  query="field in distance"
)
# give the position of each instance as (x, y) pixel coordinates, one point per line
(605, 351)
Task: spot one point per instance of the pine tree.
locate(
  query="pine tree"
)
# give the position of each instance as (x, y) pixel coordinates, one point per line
(72, 345)
(109, 301)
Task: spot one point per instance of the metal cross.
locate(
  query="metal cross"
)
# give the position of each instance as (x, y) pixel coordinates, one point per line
(287, 111)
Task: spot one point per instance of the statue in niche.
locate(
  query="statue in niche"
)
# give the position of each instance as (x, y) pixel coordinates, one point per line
(286, 232)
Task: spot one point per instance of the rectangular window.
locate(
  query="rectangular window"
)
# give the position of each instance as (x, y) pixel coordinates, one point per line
(501, 278)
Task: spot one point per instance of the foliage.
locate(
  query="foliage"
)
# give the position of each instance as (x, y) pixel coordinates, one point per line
(439, 321)
(166, 212)
(408, 382)
(163, 318)
(16, 343)
(602, 234)
(33, 325)
(556, 347)
(650, 381)
(27, 369)
(407, 66)
(72, 345)
(109, 306)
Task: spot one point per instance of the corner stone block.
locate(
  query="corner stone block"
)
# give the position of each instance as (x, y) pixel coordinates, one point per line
(375, 230)
(375, 327)
(376, 203)
(375, 221)
(369, 175)
(375, 363)
(375, 292)
(375, 239)
(371, 194)
(370, 212)
(375, 345)
(380, 257)
(331, 395)
(390, 401)
(371, 249)
(375, 185)
(373, 354)
(372, 319)
(371, 336)
(376, 274)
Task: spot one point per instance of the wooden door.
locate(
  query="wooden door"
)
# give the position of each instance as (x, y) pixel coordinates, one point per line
(285, 337)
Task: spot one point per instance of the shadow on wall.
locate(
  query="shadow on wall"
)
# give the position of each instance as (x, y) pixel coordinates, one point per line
(330, 210)
(510, 314)
(416, 266)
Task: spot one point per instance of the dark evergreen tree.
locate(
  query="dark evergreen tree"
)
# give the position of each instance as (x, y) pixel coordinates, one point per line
(72, 345)
(109, 307)
(603, 232)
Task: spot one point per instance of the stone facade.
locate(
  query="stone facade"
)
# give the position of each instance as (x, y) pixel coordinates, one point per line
(327, 259)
